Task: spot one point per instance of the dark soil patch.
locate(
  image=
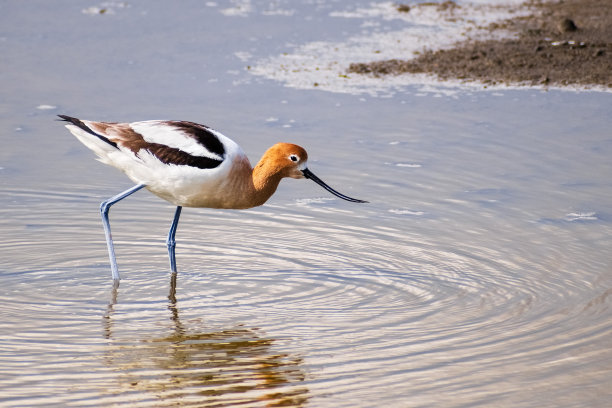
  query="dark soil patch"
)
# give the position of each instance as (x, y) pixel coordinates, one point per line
(566, 42)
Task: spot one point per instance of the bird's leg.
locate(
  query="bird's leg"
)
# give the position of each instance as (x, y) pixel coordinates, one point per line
(104, 208)
(171, 242)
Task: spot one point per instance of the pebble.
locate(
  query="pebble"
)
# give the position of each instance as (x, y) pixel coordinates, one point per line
(567, 25)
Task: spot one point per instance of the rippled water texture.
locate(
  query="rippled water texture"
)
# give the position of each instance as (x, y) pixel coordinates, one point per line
(480, 273)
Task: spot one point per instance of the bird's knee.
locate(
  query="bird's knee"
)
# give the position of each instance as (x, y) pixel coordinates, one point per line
(105, 208)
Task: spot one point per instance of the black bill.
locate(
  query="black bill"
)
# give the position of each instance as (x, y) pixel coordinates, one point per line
(309, 175)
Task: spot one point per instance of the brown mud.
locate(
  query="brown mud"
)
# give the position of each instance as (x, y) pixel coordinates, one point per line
(561, 42)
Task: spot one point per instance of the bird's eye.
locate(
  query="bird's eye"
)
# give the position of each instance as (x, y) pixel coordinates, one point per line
(294, 158)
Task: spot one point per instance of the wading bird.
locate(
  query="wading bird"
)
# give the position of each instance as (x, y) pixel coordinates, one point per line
(188, 165)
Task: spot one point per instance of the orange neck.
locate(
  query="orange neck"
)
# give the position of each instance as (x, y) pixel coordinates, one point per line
(265, 178)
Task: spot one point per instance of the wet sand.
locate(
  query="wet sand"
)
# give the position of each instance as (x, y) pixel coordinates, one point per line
(559, 43)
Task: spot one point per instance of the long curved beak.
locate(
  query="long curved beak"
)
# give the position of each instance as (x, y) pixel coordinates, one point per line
(309, 175)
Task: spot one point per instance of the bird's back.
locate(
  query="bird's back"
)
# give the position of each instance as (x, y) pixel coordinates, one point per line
(182, 162)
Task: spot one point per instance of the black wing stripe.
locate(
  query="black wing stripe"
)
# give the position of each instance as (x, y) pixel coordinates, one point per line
(202, 134)
(171, 155)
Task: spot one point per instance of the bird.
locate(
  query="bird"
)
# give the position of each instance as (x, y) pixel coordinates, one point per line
(188, 165)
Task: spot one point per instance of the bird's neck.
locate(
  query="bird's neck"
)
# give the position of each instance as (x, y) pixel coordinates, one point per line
(265, 180)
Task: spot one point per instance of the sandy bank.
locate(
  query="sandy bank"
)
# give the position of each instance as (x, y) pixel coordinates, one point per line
(565, 42)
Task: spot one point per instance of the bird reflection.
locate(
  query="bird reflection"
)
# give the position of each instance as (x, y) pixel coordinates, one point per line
(236, 366)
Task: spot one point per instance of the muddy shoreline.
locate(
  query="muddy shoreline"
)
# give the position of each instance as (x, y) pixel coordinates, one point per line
(559, 43)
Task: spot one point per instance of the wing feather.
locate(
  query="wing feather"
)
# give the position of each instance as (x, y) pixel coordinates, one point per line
(179, 143)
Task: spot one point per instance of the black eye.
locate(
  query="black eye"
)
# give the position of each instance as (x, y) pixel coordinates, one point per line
(293, 158)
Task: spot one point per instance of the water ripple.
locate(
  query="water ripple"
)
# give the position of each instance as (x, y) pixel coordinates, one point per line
(284, 306)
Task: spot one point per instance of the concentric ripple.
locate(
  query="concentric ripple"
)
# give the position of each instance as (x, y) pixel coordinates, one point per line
(287, 305)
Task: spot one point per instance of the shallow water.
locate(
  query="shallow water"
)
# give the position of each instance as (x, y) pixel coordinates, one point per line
(479, 274)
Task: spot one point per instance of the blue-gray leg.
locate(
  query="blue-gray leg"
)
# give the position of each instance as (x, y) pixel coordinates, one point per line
(171, 241)
(104, 208)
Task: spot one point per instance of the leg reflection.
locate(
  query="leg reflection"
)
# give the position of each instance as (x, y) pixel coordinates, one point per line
(186, 361)
(110, 309)
(172, 307)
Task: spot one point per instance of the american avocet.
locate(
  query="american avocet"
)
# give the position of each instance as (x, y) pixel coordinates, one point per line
(188, 165)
